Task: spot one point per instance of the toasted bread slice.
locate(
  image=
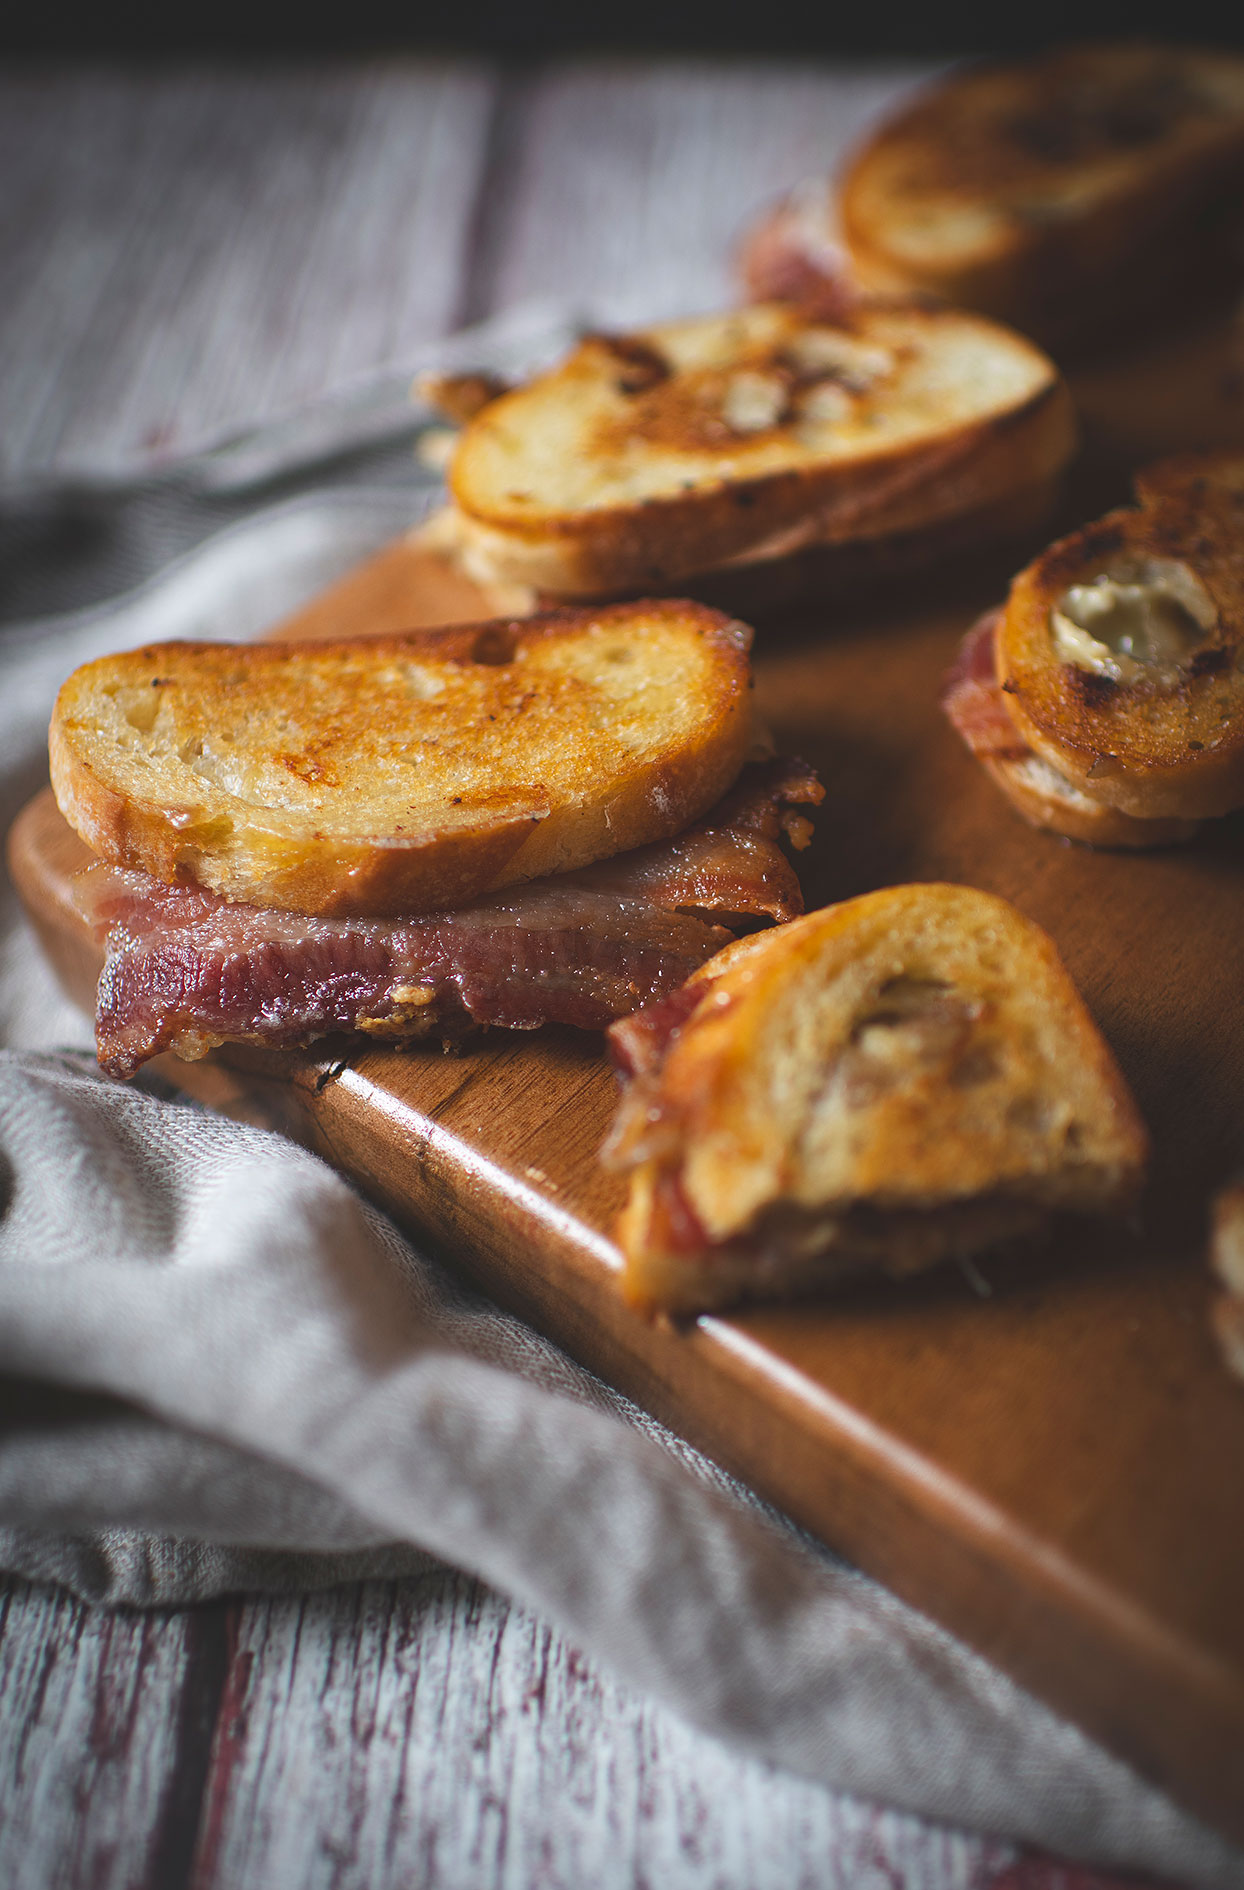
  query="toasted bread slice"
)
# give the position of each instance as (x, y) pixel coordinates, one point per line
(908, 1076)
(977, 709)
(1047, 800)
(750, 437)
(752, 586)
(1227, 1259)
(1067, 193)
(404, 774)
(1121, 648)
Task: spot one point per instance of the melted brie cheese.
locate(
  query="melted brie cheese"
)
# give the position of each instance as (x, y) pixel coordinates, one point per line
(1128, 629)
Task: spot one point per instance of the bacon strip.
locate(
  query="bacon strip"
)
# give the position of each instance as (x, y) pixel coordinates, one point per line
(973, 701)
(186, 970)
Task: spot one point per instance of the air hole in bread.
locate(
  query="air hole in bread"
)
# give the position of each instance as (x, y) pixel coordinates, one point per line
(1030, 1115)
(905, 1001)
(141, 711)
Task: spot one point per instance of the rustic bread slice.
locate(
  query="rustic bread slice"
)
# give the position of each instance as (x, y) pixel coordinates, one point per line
(403, 774)
(1069, 193)
(750, 436)
(888, 1082)
(1121, 648)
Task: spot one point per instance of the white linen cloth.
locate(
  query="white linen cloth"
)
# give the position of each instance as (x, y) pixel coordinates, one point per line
(222, 1369)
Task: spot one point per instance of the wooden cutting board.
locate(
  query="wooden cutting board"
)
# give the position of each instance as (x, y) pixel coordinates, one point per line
(1054, 1468)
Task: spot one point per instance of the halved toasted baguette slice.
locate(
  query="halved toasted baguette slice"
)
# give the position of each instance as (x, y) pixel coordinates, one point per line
(1121, 648)
(750, 438)
(977, 709)
(404, 774)
(886, 1083)
(1070, 193)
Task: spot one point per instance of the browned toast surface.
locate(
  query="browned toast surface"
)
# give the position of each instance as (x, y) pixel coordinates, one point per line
(977, 709)
(1058, 192)
(402, 774)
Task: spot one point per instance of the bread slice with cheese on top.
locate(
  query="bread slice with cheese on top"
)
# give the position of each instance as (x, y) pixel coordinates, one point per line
(1120, 650)
(977, 709)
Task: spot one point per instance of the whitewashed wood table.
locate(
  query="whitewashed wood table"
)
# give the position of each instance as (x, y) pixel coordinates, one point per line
(180, 251)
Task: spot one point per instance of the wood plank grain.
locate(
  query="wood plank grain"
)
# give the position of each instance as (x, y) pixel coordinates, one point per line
(385, 1735)
(445, 1738)
(623, 186)
(96, 1709)
(212, 246)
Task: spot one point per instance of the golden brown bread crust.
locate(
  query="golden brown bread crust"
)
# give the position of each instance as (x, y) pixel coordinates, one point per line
(1068, 193)
(857, 568)
(865, 567)
(404, 774)
(1165, 739)
(1048, 801)
(904, 1076)
(645, 459)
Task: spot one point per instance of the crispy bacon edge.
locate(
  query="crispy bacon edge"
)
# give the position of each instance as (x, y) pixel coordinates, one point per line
(187, 971)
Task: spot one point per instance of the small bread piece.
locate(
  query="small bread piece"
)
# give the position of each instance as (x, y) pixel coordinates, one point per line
(1047, 800)
(1227, 1260)
(1070, 193)
(1121, 648)
(751, 437)
(891, 1081)
(404, 774)
(977, 709)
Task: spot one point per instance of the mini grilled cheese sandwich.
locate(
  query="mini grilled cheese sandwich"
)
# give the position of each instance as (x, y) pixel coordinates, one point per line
(894, 1081)
(1074, 194)
(498, 824)
(736, 447)
(1116, 666)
